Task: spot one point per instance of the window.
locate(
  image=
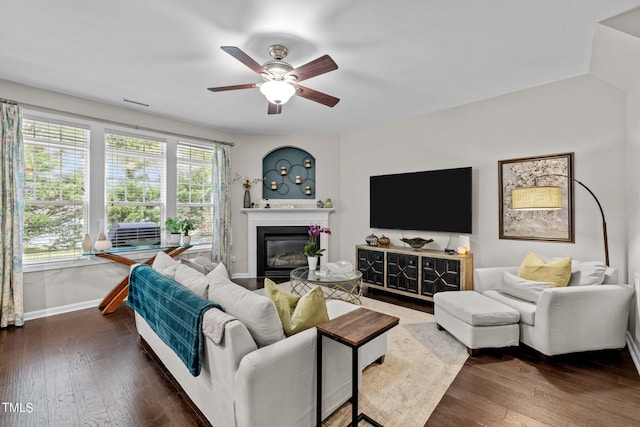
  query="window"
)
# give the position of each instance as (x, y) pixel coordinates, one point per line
(135, 178)
(83, 176)
(56, 183)
(194, 187)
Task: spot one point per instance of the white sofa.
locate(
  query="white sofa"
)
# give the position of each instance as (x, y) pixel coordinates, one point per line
(566, 319)
(243, 385)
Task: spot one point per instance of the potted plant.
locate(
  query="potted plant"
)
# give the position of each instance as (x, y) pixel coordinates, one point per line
(174, 228)
(187, 226)
(312, 250)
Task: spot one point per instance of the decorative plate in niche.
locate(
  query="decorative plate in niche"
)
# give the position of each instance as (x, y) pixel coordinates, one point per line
(289, 173)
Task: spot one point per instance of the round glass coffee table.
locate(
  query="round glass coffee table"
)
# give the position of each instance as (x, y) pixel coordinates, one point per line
(342, 286)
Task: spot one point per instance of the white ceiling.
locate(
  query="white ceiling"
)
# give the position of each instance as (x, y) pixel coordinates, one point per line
(396, 58)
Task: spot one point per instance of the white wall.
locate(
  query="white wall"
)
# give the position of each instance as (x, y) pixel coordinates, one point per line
(582, 115)
(246, 160)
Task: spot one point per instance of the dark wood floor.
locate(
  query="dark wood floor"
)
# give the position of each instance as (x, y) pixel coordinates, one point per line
(83, 368)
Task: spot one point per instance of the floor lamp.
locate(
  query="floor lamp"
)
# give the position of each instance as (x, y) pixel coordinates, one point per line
(550, 198)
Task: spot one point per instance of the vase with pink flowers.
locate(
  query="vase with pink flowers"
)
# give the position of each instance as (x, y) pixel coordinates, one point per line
(313, 251)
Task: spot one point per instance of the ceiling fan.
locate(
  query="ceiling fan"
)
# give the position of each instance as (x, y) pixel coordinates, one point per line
(280, 80)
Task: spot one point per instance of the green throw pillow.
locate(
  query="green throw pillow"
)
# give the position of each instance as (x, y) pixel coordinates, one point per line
(535, 268)
(297, 313)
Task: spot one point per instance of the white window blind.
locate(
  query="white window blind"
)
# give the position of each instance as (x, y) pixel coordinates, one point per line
(56, 184)
(135, 183)
(194, 187)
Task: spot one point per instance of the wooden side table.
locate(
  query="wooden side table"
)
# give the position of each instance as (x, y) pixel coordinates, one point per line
(353, 329)
(111, 302)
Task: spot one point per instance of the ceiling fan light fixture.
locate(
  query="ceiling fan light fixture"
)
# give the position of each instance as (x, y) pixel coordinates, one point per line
(277, 91)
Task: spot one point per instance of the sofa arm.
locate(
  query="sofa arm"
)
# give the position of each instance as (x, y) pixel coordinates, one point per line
(582, 318)
(276, 384)
(488, 278)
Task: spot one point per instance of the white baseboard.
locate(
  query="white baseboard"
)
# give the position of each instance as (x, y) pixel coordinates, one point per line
(240, 276)
(633, 350)
(62, 309)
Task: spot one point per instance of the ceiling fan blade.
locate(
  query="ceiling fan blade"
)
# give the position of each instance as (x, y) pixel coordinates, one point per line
(234, 87)
(316, 96)
(244, 58)
(318, 66)
(274, 108)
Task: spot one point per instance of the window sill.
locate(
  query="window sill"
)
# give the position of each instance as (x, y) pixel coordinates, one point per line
(90, 260)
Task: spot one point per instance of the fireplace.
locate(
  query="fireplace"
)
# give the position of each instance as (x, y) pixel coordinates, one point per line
(283, 217)
(280, 250)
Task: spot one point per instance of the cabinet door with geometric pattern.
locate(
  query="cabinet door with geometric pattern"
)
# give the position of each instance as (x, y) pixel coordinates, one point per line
(439, 275)
(371, 265)
(402, 272)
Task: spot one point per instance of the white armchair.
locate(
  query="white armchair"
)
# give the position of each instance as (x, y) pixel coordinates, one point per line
(566, 319)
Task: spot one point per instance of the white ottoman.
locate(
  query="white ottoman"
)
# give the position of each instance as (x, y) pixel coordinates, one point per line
(476, 320)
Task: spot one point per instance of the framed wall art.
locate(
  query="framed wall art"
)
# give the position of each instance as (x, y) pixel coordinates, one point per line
(548, 223)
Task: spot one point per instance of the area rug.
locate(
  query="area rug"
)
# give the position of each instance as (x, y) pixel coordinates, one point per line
(420, 364)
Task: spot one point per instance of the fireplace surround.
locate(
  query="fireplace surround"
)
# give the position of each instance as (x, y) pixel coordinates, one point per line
(282, 217)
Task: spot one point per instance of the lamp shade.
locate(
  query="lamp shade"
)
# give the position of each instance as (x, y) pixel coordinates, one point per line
(536, 198)
(277, 92)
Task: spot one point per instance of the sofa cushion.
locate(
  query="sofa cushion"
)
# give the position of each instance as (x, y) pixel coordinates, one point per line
(475, 309)
(192, 280)
(201, 263)
(526, 309)
(257, 312)
(297, 313)
(528, 290)
(164, 264)
(584, 273)
(535, 268)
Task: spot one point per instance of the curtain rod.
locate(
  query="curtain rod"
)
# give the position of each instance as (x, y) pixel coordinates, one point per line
(112, 122)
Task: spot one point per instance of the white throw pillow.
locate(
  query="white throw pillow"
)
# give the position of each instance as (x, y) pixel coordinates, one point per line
(584, 273)
(257, 312)
(527, 290)
(587, 273)
(163, 261)
(192, 280)
(202, 263)
(166, 265)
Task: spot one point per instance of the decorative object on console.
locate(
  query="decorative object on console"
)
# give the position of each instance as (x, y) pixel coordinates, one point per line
(328, 204)
(187, 225)
(174, 228)
(384, 241)
(416, 242)
(86, 243)
(464, 245)
(372, 240)
(544, 176)
(287, 175)
(320, 204)
(102, 244)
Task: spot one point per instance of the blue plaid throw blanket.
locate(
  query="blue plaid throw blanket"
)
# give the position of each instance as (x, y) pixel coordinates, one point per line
(172, 311)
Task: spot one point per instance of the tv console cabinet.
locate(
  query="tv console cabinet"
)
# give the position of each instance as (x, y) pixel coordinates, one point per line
(417, 273)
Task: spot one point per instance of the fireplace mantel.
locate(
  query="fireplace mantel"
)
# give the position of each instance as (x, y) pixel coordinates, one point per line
(266, 217)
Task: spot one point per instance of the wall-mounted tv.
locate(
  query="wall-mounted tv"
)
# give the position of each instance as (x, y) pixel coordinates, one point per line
(436, 200)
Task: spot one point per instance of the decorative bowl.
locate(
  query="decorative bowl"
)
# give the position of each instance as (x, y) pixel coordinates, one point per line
(416, 242)
(339, 267)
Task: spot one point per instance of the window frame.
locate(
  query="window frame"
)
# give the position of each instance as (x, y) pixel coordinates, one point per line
(97, 201)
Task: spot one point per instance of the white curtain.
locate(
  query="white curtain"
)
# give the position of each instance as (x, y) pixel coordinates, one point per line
(11, 214)
(221, 247)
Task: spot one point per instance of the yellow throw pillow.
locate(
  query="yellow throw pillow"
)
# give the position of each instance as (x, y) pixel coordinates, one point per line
(535, 268)
(297, 313)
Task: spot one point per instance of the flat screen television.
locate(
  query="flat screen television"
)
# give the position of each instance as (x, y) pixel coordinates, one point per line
(436, 200)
